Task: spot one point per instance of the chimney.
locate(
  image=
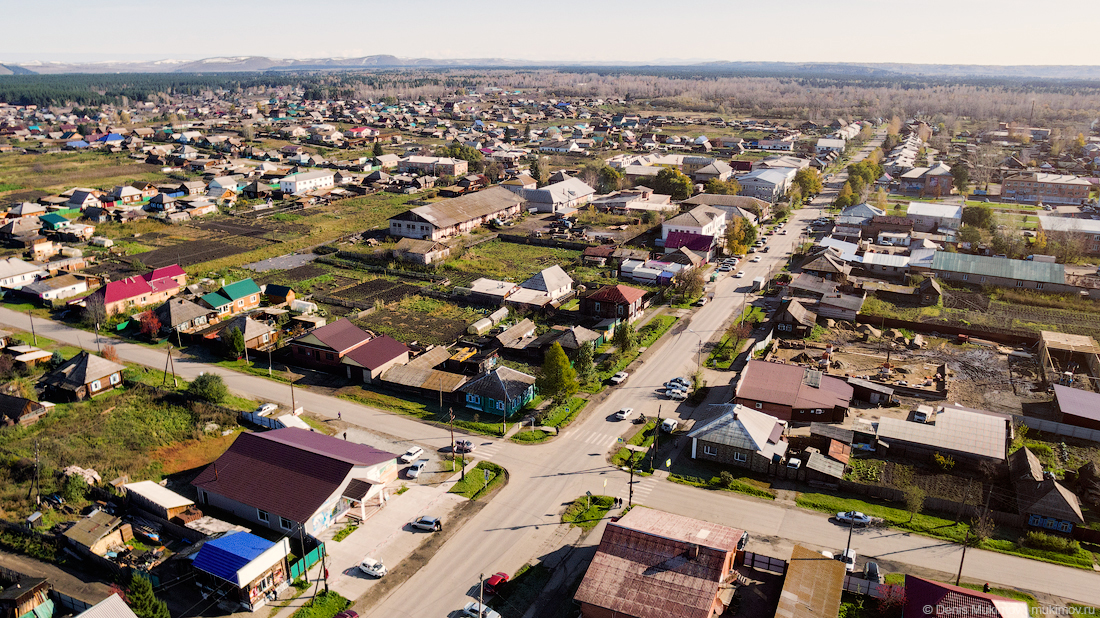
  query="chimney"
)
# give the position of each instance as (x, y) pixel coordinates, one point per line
(693, 551)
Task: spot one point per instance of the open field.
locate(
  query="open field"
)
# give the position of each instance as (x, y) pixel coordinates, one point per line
(497, 259)
(426, 320)
(61, 171)
(377, 290)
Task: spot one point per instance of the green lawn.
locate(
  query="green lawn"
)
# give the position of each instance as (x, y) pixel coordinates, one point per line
(427, 411)
(562, 414)
(531, 437)
(585, 512)
(480, 480)
(497, 259)
(324, 605)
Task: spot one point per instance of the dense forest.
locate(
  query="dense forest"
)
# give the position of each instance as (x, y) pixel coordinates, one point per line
(701, 89)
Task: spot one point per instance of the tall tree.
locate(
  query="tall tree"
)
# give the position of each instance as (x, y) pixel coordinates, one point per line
(808, 180)
(739, 235)
(844, 198)
(585, 363)
(377, 149)
(625, 337)
(980, 216)
(960, 177)
(143, 602)
(150, 324)
(722, 187)
(671, 181)
(610, 179)
(914, 500)
(558, 379)
(234, 342)
(689, 282)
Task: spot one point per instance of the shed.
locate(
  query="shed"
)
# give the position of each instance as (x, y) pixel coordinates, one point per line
(160, 501)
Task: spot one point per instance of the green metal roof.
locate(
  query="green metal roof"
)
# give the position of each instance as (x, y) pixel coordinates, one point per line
(240, 289)
(1023, 270)
(215, 299)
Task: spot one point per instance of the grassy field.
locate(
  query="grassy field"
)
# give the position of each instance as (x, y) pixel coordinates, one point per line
(510, 261)
(427, 411)
(58, 172)
(423, 319)
(480, 480)
(587, 511)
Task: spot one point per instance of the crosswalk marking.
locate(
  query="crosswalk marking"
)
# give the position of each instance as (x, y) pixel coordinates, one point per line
(596, 438)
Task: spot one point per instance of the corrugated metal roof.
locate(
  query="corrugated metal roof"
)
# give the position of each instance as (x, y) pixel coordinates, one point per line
(1022, 270)
(812, 586)
(961, 431)
(1076, 402)
(743, 428)
(111, 607)
(224, 557)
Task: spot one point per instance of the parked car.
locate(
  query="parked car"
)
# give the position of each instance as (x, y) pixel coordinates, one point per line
(725, 268)
(676, 395)
(794, 463)
(620, 377)
(756, 258)
(853, 517)
(425, 522)
(373, 567)
(464, 446)
(669, 425)
(411, 454)
(849, 559)
(702, 301)
(624, 413)
(477, 610)
(681, 381)
(740, 274)
(417, 468)
(829, 555)
(494, 582)
(265, 409)
(872, 574)
(347, 613)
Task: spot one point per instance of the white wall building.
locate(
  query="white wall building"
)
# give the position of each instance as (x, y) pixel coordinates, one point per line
(297, 184)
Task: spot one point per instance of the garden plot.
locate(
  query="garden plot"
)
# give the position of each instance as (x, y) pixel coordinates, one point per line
(193, 252)
(253, 230)
(497, 259)
(368, 293)
(425, 320)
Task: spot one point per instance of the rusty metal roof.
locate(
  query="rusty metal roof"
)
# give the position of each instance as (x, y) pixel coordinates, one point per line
(812, 586)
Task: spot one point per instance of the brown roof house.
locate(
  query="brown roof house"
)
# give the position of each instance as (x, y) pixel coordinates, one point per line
(620, 302)
(293, 479)
(740, 437)
(83, 375)
(420, 251)
(19, 410)
(326, 346)
(793, 393)
(1045, 502)
(793, 318)
(652, 564)
(925, 598)
(369, 361)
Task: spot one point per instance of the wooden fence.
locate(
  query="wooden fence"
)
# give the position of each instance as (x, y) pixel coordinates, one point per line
(546, 242)
(960, 509)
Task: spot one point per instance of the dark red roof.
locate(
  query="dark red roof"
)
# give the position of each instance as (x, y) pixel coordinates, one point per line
(689, 240)
(341, 335)
(617, 294)
(377, 352)
(599, 251)
(947, 600)
(286, 472)
(160, 273)
(788, 385)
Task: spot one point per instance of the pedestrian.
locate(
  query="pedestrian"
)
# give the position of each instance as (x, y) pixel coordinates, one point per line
(345, 435)
(339, 416)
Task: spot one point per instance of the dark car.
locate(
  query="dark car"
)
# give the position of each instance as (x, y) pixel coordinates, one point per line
(347, 613)
(493, 583)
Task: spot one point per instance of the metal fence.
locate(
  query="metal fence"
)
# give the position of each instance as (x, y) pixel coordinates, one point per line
(310, 559)
(859, 585)
(765, 563)
(1062, 429)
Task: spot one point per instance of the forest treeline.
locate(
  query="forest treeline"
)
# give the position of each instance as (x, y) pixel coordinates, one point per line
(659, 88)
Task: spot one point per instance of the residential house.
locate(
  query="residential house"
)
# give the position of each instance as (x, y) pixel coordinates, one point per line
(826, 262)
(243, 567)
(82, 200)
(20, 411)
(192, 187)
(741, 437)
(456, 216)
(925, 598)
(278, 294)
(827, 144)
(162, 202)
(502, 391)
(304, 182)
(812, 586)
(702, 220)
(886, 265)
(840, 306)
(1000, 272)
(793, 318)
(237, 297)
(153, 498)
(111, 607)
(369, 361)
(130, 293)
(653, 564)
(565, 196)
(182, 315)
(751, 209)
(97, 533)
(326, 346)
(257, 335)
(295, 481)
(718, 170)
(489, 291)
(620, 302)
(24, 210)
(1040, 498)
(935, 181)
(15, 273)
(83, 375)
(793, 393)
(420, 251)
(965, 434)
(56, 288)
(767, 184)
(435, 166)
(550, 282)
(929, 217)
(126, 194)
(1085, 232)
(1045, 187)
(1077, 407)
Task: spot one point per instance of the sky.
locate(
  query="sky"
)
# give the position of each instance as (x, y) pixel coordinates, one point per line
(1000, 32)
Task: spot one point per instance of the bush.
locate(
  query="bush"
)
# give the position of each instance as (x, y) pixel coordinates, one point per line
(1050, 542)
(208, 387)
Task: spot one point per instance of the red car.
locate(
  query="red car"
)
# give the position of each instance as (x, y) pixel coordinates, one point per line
(495, 582)
(347, 614)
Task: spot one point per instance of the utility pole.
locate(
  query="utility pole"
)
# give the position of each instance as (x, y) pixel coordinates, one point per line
(269, 362)
(293, 405)
(31, 316)
(851, 527)
(166, 361)
(481, 595)
(451, 420)
(630, 495)
(98, 348)
(656, 435)
(966, 542)
(172, 362)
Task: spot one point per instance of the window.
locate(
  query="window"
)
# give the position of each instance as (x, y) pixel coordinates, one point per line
(115, 379)
(710, 450)
(982, 280)
(1039, 286)
(741, 457)
(263, 516)
(267, 337)
(1066, 526)
(240, 303)
(759, 406)
(224, 308)
(965, 276)
(1019, 283)
(328, 356)
(1050, 523)
(620, 309)
(285, 523)
(597, 308)
(474, 399)
(500, 405)
(95, 386)
(252, 298)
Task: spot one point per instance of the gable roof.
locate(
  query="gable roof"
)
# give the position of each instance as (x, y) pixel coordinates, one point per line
(700, 216)
(1051, 499)
(1072, 402)
(956, 429)
(500, 384)
(375, 353)
(643, 566)
(80, 370)
(1023, 270)
(689, 240)
(928, 209)
(619, 294)
(787, 385)
(798, 312)
(951, 600)
(548, 280)
(176, 311)
(340, 336)
(812, 586)
(250, 329)
(467, 207)
(566, 190)
(240, 289)
(744, 428)
(111, 607)
(287, 472)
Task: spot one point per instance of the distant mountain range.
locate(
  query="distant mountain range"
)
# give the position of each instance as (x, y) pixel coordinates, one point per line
(236, 64)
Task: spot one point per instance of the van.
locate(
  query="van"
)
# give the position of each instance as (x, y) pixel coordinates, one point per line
(669, 425)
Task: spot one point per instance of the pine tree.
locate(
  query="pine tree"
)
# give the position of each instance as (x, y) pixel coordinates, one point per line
(377, 149)
(558, 379)
(584, 364)
(143, 602)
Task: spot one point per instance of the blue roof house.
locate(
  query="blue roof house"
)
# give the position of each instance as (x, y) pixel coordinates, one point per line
(253, 569)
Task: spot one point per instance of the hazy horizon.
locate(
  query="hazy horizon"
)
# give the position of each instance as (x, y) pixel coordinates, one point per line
(966, 32)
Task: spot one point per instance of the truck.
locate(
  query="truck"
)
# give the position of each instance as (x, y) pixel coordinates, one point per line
(1041, 258)
(757, 284)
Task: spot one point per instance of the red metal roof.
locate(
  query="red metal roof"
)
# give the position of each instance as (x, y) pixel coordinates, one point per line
(785, 385)
(123, 289)
(377, 352)
(947, 600)
(341, 335)
(167, 271)
(617, 294)
(695, 242)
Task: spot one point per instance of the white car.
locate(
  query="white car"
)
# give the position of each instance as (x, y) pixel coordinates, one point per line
(624, 413)
(477, 610)
(740, 274)
(849, 559)
(756, 258)
(411, 454)
(853, 517)
(265, 409)
(676, 395)
(669, 425)
(373, 567)
(620, 377)
(417, 468)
